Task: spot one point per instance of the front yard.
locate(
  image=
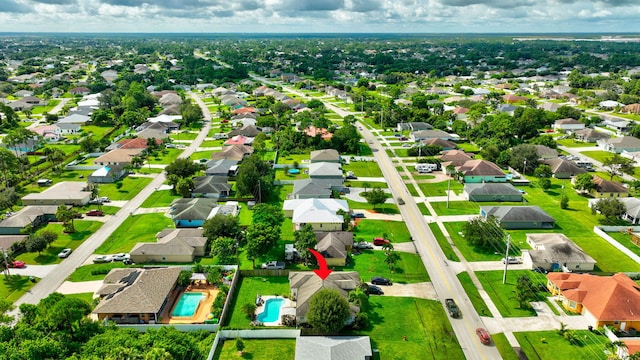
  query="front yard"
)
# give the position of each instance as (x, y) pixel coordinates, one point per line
(395, 231)
(135, 229)
(409, 269)
(159, 198)
(548, 345)
(363, 168)
(503, 295)
(129, 187)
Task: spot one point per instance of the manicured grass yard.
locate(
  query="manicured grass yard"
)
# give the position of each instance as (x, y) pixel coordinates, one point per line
(202, 155)
(625, 239)
(423, 322)
(396, 231)
(572, 143)
(369, 263)
(135, 229)
(443, 242)
(184, 135)
(502, 295)
(291, 158)
(14, 289)
(502, 344)
(165, 156)
(363, 168)
(86, 297)
(469, 252)
(131, 186)
(159, 198)
(456, 208)
(211, 143)
(84, 229)
(598, 155)
(548, 345)
(281, 349)
(440, 188)
(282, 174)
(248, 289)
(83, 273)
(385, 208)
(472, 291)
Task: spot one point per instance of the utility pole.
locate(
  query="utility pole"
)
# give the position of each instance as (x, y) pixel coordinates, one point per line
(6, 263)
(506, 260)
(448, 190)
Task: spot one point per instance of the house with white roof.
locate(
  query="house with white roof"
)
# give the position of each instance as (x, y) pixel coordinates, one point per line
(321, 214)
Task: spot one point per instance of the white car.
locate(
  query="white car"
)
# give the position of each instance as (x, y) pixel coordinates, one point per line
(102, 259)
(121, 257)
(64, 253)
(512, 260)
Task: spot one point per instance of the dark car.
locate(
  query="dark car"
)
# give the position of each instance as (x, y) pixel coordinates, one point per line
(540, 270)
(95, 213)
(400, 200)
(378, 280)
(374, 290)
(380, 241)
(483, 335)
(357, 215)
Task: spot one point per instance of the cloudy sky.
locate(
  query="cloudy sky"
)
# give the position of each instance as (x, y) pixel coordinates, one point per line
(312, 16)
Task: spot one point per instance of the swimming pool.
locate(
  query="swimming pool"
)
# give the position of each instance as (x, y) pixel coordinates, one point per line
(293, 171)
(271, 311)
(188, 304)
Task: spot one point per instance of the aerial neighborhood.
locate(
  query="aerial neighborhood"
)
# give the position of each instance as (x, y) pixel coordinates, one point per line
(319, 198)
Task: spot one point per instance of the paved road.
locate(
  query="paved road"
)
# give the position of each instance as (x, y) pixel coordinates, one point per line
(52, 281)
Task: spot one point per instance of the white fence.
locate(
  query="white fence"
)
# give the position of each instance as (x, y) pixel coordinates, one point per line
(601, 232)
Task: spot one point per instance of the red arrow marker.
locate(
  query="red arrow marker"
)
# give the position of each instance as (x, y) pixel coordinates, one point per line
(324, 271)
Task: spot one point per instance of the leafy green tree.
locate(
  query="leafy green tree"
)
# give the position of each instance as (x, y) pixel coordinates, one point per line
(225, 249)
(545, 184)
(49, 236)
(66, 216)
(5, 307)
(240, 345)
(8, 198)
(89, 144)
(618, 165)
(8, 165)
(261, 238)
(184, 187)
(255, 178)
(346, 139)
(183, 168)
(543, 171)
(36, 243)
(191, 113)
(391, 260)
(267, 213)
(483, 233)
(525, 292)
(305, 239)
(184, 279)
(375, 196)
(221, 226)
(523, 158)
(584, 182)
(564, 202)
(131, 118)
(249, 309)
(328, 311)
(610, 208)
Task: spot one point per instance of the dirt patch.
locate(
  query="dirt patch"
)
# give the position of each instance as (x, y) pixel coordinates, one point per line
(423, 290)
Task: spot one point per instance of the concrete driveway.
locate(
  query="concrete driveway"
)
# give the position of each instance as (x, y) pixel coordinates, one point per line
(38, 271)
(69, 287)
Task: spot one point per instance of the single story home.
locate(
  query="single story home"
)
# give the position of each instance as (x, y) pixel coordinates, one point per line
(455, 158)
(322, 214)
(335, 246)
(414, 126)
(617, 145)
(108, 174)
(314, 188)
(326, 155)
(250, 131)
(192, 212)
(591, 135)
(545, 152)
(605, 188)
(221, 167)
(568, 124)
(174, 245)
(563, 169)
(68, 129)
(211, 186)
(33, 216)
(136, 296)
(492, 192)
(444, 144)
(75, 119)
(121, 157)
(612, 301)
(304, 284)
(555, 252)
(519, 217)
(325, 170)
(233, 152)
(430, 134)
(333, 348)
(63, 193)
(477, 171)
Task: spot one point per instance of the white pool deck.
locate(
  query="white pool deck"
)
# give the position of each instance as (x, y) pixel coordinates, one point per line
(285, 304)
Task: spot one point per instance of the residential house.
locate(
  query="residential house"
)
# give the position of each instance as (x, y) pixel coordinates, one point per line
(157, 130)
(136, 296)
(28, 216)
(510, 98)
(211, 186)
(191, 212)
(246, 131)
(619, 125)
(591, 135)
(233, 152)
(315, 188)
(68, 129)
(568, 124)
(545, 152)
(135, 143)
(325, 170)
(117, 157)
(335, 246)
(607, 189)
(322, 214)
(169, 99)
(444, 144)
(20, 105)
(519, 217)
(50, 133)
(75, 118)
(507, 108)
(612, 301)
(7, 241)
(631, 109)
(555, 252)
(492, 192)
(617, 145)
(414, 126)
(454, 157)
(221, 167)
(563, 169)
(430, 134)
(326, 155)
(230, 208)
(305, 284)
(312, 131)
(173, 245)
(632, 209)
(24, 147)
(169, 120)
(476, 171)
(63, 193)
(80, 90)
(108, 174)
(239, 140)
(333, 348)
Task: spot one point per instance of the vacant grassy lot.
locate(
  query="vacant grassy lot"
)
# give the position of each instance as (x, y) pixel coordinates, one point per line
(165, 156)
(468, 147)
(84, 229)
(369, 263)
(396, 231)
(291, 158)
(130, 187)
(598, 155)
(502, 295)
(83, 273)
(184, 135)
(385, 208)
(440, 188)
(469, 252)
(363, 168)
(467, 207)
(572, 143)
(423, 322)
(474, 295)
(135, 229)
(248, 290)
(281, 349)
(159, 198)
(547, 345)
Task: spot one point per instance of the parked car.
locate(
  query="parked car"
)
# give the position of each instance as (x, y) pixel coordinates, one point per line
(380, 241)
(362, 245)
(64, 253)
(403, 138)
(379, 280)
(121, 257)
(374, 290)
(512, 260)
(94, 213)
(102, 259)
(357, 215)
(540, 270)
(273, 265)
(484, 336)
(407, 145)
(127, 262)
(16, 264)
(104, 199)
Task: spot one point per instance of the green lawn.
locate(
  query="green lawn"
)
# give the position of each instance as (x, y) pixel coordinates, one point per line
(396, 231)
(422, 206)
(135, 229)
(423, 322)
(97, 131)
(211, 143)
(13, 289)
(598, 155)
(468, 147)
(547, 345)
(281, 174)
(291, 158)
(502, 344)
(369, 263)
(202, 155)
(502, 295)
(367, 185)
(385, 208)
(472, 292)
(443, 242)
(165, 156)
(572, 143)
(159, 198)
(469, 252)
(184, 135)
(440, 188)
(84, 229)
(625, 239)
(86, 297)
(281, 349)
(83, 273)
(130, 187)
(363, 168)
(456, 208)
(248, 289)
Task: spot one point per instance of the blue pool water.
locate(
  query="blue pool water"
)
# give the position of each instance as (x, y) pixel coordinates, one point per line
(293, 171)
(271, 310)
(187, 304)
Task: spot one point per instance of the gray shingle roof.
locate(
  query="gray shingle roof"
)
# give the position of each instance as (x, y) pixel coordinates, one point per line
(556, 248)
(333, 347)
(518, 213)
(490, 189)
(308, 283)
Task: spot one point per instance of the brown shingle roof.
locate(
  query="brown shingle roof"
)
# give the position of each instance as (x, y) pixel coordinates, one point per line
(606, 186)
(480, 168)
